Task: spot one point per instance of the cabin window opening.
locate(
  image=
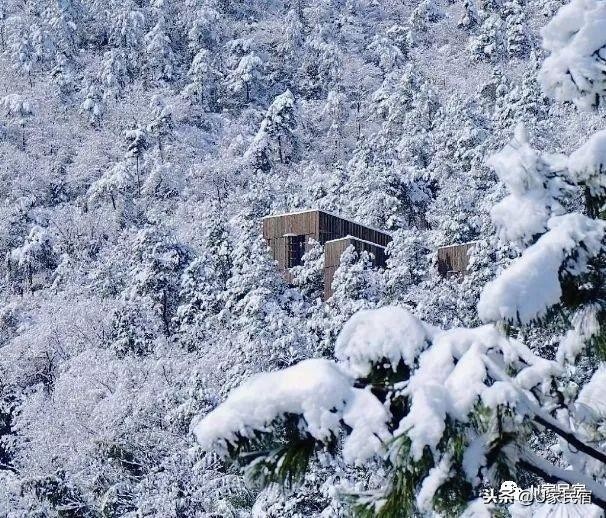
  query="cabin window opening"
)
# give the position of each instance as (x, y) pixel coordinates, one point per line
(295, 248)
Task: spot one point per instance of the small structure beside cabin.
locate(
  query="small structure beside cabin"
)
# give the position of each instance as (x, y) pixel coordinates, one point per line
(288, 238)
(454, 259)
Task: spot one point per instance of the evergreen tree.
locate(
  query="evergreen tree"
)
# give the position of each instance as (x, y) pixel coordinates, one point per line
(136, 144)
(203, 284)
(18, 110)
(204, 80)
(275, 141)
(161, 61)
(245, 76)
(92, 106)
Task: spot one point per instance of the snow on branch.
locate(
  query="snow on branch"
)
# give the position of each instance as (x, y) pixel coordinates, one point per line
(453, 375)
(389, 333)
(587, 164)
(317, 390)
(534, 190)
(576, 39)
(531, 285)
(452, 372)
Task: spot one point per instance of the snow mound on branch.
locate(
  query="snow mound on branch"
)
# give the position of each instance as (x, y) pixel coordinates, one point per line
(591, 403)
(436, 477)
(389, 333)
(531, 285)
(586, 325)
(576, 38)
(533, 196)
(453, 376)
(317, 390)
(587, 164)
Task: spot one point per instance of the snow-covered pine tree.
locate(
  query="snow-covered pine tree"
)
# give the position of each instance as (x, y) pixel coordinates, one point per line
(245, 77)
(204, 80)
(18, 110)
(136, 144)
(93, 105)
(203, 284)
(275, 141)
(161, 60)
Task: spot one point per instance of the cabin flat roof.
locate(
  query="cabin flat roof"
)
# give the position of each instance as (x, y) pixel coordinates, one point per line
(349, 238)
(293, 213)
(459, 244)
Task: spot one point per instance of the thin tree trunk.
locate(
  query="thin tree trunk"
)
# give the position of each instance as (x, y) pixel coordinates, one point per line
(280, 149)
(165, 318)
(138, 178)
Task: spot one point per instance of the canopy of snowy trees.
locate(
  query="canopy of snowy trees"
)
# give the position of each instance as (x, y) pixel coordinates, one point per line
(154, 363)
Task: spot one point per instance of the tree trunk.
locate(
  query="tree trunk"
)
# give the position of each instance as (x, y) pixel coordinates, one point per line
(280, 153)
(138, 178)
(165, 318)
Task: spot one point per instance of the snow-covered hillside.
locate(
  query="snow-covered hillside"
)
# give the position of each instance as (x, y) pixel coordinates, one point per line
(141, 144)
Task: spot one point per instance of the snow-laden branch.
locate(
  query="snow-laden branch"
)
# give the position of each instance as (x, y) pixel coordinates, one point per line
(544, 469)
(531, 285)
(318, 391)
(576, 39)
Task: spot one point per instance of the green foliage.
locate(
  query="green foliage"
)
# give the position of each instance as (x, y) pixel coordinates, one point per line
(282, 457)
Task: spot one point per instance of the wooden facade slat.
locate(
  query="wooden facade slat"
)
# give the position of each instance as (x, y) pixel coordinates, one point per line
(333, 250)
(454, 259)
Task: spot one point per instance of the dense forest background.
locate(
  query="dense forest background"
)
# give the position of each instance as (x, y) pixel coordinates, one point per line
(141, 143)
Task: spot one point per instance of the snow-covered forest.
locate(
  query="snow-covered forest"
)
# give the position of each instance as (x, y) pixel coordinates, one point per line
(153, 360)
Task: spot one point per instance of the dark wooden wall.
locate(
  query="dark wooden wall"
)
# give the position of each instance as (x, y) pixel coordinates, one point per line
(454, 259)
(333, 250)
(325, 228)
(333, 227)
(276, 227)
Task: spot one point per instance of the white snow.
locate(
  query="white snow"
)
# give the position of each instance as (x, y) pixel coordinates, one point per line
(315, 389)
(585, 325)
(478, 509)
(531, 285)
(474, 459)
(435, 478)
(388, 333)
(576, 37)
(453, 376)
(533, 195)
(587, 164)
(436, 387)
(591, 403)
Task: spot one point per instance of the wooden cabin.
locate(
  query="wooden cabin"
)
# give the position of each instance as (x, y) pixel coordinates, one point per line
(333, 250)
(454, 259)
(288, 238)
